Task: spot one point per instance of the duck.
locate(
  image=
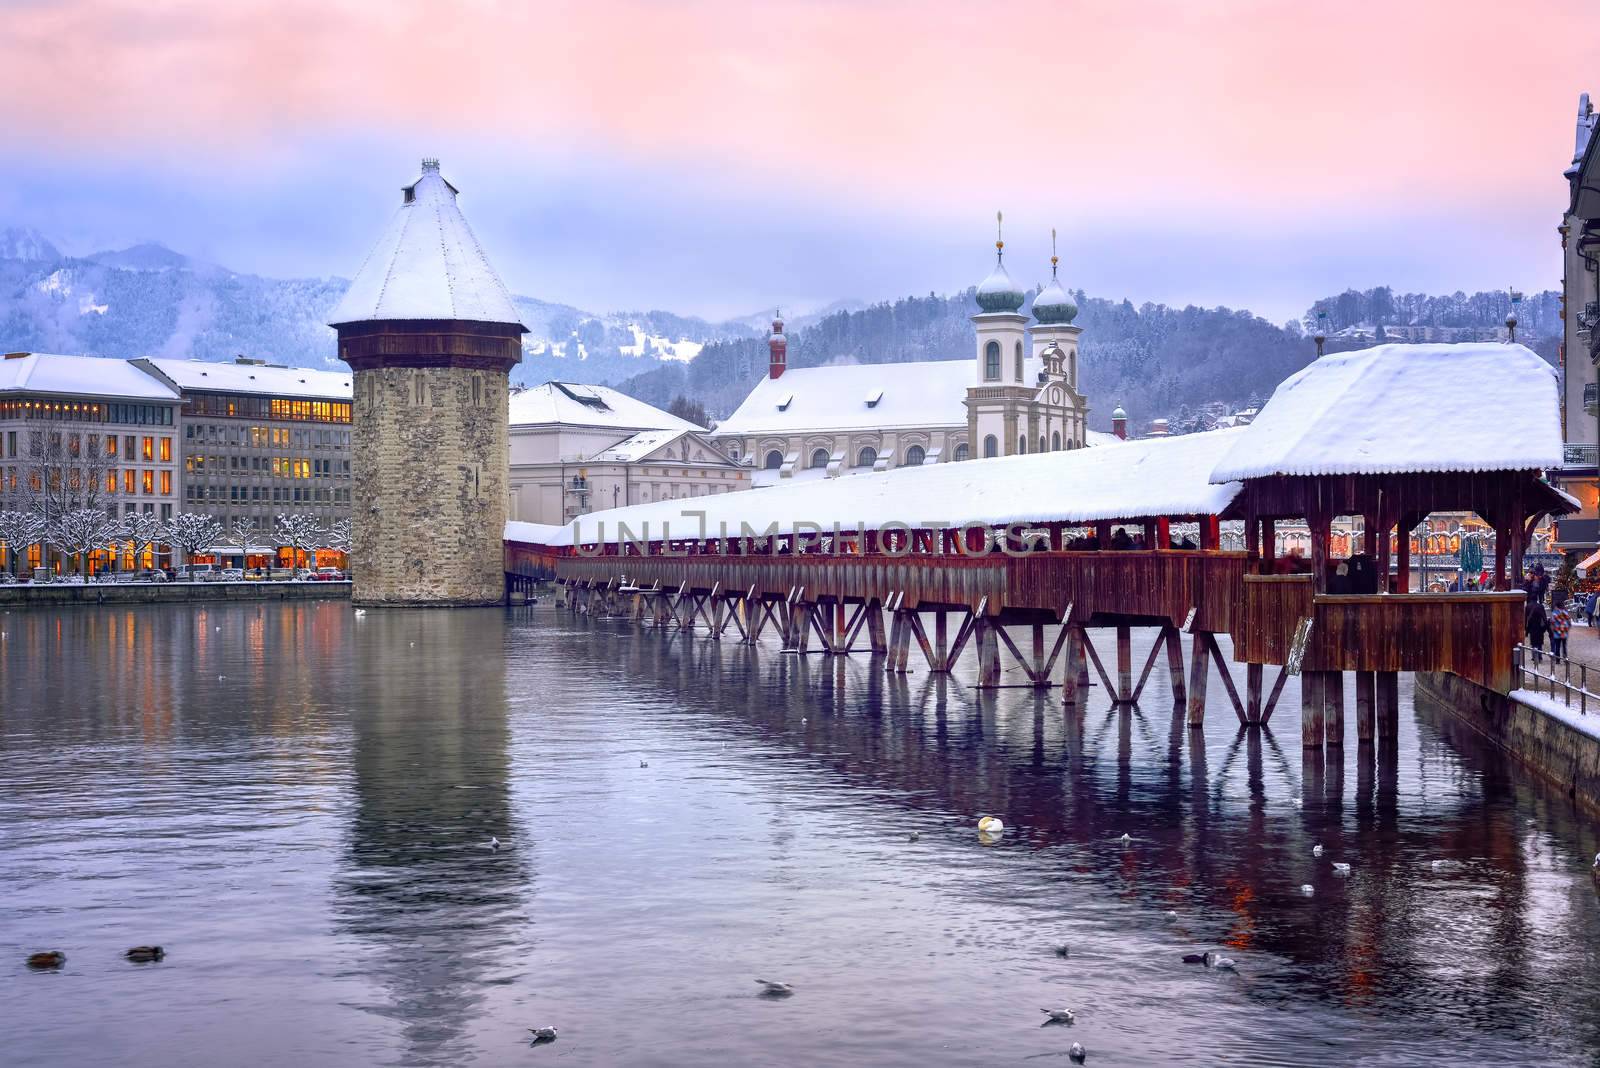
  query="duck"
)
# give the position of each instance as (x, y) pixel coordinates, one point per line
(644, 763)
(542, 1034)
(1063, 952)
(1078, 1053)
(1341, 868)
(361, 613)
(53, 958)
(1307, 889)
(914, 836)
(1195, 958)
(773, 988)
(145, 954)
(991, 824)
(1172, 917)
(1061, 1016)
(1222, 964)
(1316, 851)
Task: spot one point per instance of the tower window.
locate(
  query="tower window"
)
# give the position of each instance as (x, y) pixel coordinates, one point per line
(1019, 361)
(991, 362)
(419, 389)
(991, 446)
(477, 391)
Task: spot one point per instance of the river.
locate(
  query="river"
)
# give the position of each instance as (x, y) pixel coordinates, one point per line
(296, 803)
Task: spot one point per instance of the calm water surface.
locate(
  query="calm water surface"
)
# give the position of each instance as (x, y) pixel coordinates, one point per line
(294, 802)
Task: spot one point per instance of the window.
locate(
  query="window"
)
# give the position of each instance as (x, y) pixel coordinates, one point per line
(166, 483)
(991, 446)
(477, 391)
(819, 458)
(1041, 443)
(1019, 361)
(128, 479)
(419, 390)
(148, 449)
(149, 481)
(1022, 446)
(991, 362)
(867, 457)
(127, 447)
(774, 460)
(1055, 441)
(915, 455)
(166, 450)
(961, 451)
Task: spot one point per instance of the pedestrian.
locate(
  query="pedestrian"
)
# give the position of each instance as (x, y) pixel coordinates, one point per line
(1535, 624)
(1560, 622)
(1590, 606)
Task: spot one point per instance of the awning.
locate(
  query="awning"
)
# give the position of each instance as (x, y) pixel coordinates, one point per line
(1589, 562)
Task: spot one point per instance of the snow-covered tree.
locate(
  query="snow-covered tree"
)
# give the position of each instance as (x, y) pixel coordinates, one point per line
(143, 530)
(192, 532)
(19, 530)
(64, 471)
(298, 531)
(245, 532)
(77, 532)
(338, 536)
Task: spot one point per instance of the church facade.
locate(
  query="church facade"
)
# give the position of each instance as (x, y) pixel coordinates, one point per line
(1019, 394)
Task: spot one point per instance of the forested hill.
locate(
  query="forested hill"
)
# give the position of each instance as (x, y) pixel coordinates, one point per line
(1154, 360)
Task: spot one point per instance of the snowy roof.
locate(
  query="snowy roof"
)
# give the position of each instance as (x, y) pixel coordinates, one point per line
(200, 375)
(581, 405)
(998, 293)
(1396, 408)
(427, 265)
(639, 445)
(1133, 480)
(926, 393)
(81, 376)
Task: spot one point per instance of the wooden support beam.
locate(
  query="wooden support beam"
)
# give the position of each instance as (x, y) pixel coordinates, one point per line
(1124, 694)
(1277, 689)
(1227, 676)
(941, 640)
(1333, 708)
(1073, 695)
(1173, 640)
(1094, 657)
(875, 636)
(1253, 679)
(1199, 670)
(934, 662)
(988, 652)
(1144, 676)
(1366, 696)
(1311, 709)
(1386, 705)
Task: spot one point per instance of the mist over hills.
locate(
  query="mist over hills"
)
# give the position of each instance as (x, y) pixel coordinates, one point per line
(1155, 360)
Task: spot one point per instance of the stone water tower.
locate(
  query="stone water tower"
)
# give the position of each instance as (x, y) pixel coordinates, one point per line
(431, 335)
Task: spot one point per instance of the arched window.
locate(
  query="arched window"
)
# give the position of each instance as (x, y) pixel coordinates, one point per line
(819, 458)
(774, 460)
(991, 361)
(961, 452)
(991, 446)
(1022, 445)
(1055, 441)
(1072, 369)
(1041, 443)
(915, 455)
(867, 456)
(1019, 361)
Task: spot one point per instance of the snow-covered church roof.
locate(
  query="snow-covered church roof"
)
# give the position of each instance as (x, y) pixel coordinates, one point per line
(427, 265)
(1130, 480)
(1406, 408)
(864, 396)
(573, 404)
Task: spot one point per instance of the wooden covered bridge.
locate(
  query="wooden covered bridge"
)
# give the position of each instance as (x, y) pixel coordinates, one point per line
(1053, 559)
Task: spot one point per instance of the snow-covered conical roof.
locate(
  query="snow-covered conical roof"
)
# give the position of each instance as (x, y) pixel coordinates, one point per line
(1054, 304)
(427, 265)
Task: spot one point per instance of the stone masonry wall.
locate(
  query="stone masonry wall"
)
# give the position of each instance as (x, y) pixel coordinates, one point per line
(431, 460)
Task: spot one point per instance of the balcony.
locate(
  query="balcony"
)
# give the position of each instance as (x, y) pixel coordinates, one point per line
(1577, 453)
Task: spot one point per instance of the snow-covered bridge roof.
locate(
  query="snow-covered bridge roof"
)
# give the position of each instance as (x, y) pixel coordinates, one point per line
(1135, 479)
(1406, 408)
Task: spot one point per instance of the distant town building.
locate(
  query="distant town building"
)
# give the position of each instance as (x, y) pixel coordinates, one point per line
(1018, 395)
(88, 432)
(1580, 343)
(259, 440)
(578, 449)
(431, 334)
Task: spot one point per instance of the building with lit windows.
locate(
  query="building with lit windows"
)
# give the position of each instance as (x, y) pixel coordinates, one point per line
(259, 439)
(100, 430)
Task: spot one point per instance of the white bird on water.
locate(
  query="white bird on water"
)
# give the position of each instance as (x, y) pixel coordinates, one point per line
(360, 612)
(992, 824)
(775, 988)
(1597, 860)
(1059, 1015)
(494, 843)
(1316, 851)
(1126, 839)
(1340, 868)
(542, 1034)
(1220, 963)
(1078, 1053)
(1307, 889)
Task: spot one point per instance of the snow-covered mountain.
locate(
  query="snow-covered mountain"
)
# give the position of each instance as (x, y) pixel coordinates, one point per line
(149, 300)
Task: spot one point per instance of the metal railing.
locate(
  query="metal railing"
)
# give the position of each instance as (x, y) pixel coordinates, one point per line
(1557, 676)
(1578, 454)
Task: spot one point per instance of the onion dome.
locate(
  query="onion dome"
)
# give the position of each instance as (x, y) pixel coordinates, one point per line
(1118, 413)
(998, 293)
(1054, 306)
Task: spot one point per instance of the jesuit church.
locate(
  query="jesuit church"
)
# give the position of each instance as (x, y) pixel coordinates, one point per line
(1016, 396)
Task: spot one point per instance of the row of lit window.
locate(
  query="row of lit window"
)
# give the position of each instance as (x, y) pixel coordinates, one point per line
(248, 407)
(277, 466)
(130, 481)
(86, 412)
(133, 447)
(266, 437)
(265, 494)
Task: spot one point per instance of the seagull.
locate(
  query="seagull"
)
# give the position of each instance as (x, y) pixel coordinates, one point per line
(1340, 868)
(1078, 1053)
(1597, 860)
(1059, 1015)
(992, 824)
(1316, 851)
(1222, 964)
(1172, 917)
(360, 612)
(494, 843)
(775, 988)
(543, 1034)
(914, 836)
(1307, 889)
(1126, 838)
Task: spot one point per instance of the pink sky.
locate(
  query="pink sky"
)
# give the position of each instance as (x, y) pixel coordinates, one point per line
(1085, 115)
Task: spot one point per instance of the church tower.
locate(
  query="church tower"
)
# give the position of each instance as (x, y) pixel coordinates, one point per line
(1062, 409)
(1000, 386)
(431, 335)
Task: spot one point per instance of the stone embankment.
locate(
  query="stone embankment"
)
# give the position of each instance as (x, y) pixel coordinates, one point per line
(62, 593)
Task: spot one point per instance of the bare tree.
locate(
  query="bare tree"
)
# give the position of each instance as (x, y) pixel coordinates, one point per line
(143, 530)
(298, 531)
(66, 471)
(80, 531)
(246, 532)
(19, 530)
(191, 532)
(338, 536)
